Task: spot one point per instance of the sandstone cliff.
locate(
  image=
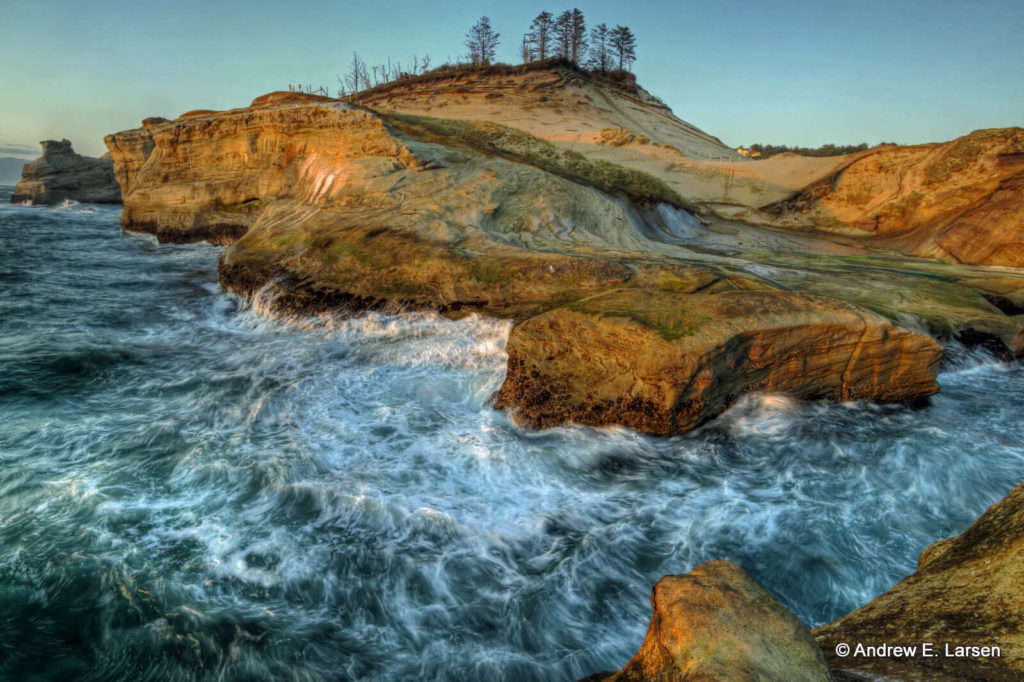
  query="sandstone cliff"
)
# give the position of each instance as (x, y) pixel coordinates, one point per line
(961, 200)
(629, 310)
(61, 174)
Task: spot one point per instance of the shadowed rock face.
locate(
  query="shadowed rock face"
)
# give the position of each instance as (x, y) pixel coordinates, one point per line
(967, 591)
(61, 174)
(626, 312)
(717, 623)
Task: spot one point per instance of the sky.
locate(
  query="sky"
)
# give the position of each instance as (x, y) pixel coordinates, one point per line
(800, 73)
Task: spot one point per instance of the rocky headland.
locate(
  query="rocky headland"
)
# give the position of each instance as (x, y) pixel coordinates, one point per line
(635, 302)
(653, 277)
(60, 173)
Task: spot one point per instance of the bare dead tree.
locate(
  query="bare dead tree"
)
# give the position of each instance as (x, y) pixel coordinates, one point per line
(355, 76)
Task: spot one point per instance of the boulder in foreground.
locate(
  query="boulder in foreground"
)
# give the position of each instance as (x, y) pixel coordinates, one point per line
(717, 623)
(61, 174)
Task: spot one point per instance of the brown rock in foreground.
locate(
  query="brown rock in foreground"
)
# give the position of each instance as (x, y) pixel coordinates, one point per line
(664, 363)
(61, 174)
(717, 623)
(968, 591)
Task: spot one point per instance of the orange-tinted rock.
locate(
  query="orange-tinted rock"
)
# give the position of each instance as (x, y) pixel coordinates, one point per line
(665, 363)
(717, 623)
(960, 200)
(968, 591)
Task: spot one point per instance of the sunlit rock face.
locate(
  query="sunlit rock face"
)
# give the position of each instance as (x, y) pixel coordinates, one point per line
(959, 200)
(61, 174)
(717, 623)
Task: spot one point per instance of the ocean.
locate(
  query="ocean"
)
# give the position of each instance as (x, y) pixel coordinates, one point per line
(193, 489)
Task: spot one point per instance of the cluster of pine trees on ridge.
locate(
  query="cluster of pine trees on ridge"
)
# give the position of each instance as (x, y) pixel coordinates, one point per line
(550, 41)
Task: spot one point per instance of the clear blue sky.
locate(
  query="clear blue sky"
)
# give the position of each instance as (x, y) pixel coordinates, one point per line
(798, 73)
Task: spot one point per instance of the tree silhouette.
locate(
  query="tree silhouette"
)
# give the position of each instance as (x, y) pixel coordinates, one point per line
(600, 49)
(623, 44)
(563, 34)
(577, 37)
(481, 41)
(539, 37)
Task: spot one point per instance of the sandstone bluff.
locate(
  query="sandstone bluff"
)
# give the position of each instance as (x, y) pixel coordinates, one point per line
(61, 174)
(653, 277)
(636, 302)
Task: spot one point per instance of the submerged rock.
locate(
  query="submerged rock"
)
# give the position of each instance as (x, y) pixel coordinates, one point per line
(717, 623)
(967, 594)
(61, 174)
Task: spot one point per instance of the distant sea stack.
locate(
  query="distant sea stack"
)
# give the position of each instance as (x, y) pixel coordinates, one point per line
(61, 174)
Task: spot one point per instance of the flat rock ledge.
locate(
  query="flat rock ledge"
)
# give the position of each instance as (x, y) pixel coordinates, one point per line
(664, 363)
(61, 174)
(717, 623)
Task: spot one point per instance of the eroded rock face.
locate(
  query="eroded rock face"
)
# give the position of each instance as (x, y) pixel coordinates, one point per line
(207, 175)
(328, 206)
(61, 174)
(717, 623)
(664, 363)
(968, 591)
(960, 200)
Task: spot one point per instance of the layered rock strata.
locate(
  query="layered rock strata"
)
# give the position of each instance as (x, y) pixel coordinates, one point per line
(61, 174)
(959, 200)
(664, 363)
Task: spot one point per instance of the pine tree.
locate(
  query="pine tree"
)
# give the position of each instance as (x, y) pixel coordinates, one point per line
(482, 41)
(623, 44)
(577, 37)
(563, 34)
(600, 49)
(539, 36)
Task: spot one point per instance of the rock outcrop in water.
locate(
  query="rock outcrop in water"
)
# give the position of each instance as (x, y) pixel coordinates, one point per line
(663, 363)
(968, 592)
(717, 623)
(629, 310)
(61, 174)
(964, 603)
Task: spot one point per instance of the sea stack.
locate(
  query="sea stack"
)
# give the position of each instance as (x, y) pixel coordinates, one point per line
(61, 173)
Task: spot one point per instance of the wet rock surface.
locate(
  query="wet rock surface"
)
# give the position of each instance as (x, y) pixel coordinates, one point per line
(966, 595)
